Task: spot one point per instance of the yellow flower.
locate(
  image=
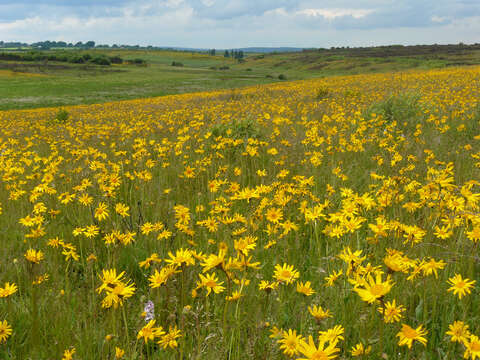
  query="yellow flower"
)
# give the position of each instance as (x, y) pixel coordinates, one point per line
(109, 279)
(285, 273)
(472, 348)
(267, 286)
(432, 266)
(312, 352)
(116, 295)
(34, 256)
(181, 257)
(101, 212)
(391, 312)
(5, 331)
(160, 278)
(330, 279)
(236, 295)
(333, 335)
(148, 332)
(290, 342)
(8, 290)
(169, 339)
(119, 352)
(474, 234)
(318, 313)
(407, 335)
(352, 259)
(373, 289)
(274, 215)
(305, 289)
(68, 354)
(458, 332)
(359, 350)
(122, 209)
(211, 283)
(460, 286)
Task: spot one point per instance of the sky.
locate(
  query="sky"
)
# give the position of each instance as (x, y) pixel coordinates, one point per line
(242, 23)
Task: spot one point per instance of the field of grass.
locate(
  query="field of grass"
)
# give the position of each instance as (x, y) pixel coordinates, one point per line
(69, 84)
(316, 219)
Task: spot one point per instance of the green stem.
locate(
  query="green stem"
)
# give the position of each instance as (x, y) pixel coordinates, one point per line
(182, 304)
(126, 324)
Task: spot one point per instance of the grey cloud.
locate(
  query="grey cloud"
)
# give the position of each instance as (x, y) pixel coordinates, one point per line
(235, 23)
(229, 9)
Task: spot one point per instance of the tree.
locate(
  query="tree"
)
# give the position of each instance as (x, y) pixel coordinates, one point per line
(90, 44)
(226, 54)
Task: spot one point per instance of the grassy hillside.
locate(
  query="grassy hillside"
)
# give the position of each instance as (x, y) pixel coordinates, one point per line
(240, 225)
(48, 83)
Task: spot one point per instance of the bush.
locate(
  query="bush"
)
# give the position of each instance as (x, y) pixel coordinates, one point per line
(176, 63)
(76, 60)
(224, 67)
(238, 129)
(116, 60)
(322, 93)
(101, 60)
(400, 107)
(62, 116)
(282, 77)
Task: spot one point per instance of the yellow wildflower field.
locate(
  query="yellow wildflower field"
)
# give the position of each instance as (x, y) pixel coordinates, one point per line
(319, 219)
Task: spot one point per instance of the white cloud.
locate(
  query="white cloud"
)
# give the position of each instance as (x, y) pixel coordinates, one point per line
(237, 23)
(439, 19)
(334, 13)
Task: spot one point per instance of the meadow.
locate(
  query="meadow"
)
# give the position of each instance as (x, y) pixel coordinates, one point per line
(33, 84)
(331, 218)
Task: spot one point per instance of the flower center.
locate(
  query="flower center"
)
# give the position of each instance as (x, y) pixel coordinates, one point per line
(475, 346)
(377, 290)
(319, 355)
(410, 333)
(211, 284)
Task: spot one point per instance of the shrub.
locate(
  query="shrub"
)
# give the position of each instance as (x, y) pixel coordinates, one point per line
(238, 129)
(176, 63)
(138, 61)
(399, 107)
(62, 116)
(225, 67)
(76, 60)
(282, 77)
(322, 93)
(101, 60)
(116, 60)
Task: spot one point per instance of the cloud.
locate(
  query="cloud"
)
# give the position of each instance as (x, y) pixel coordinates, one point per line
(235, 23)
(335, 13)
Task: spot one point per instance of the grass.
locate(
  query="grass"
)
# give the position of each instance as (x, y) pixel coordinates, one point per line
(335, 181)
(59, 84)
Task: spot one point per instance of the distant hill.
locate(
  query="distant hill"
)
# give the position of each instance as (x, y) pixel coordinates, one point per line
(269, 49)
(263, 50)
